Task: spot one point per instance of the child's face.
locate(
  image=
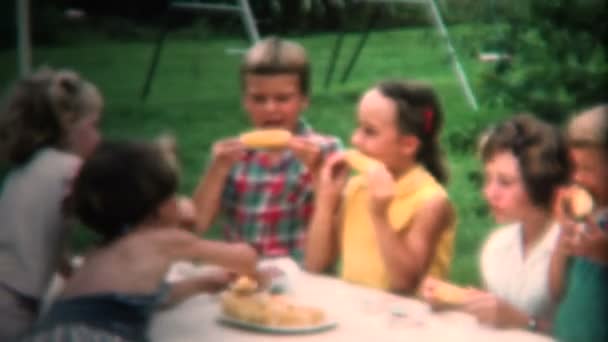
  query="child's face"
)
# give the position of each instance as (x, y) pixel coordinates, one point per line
(83, 135)
(274, 101)
(376, 134)
(590, 170)
(504, 188)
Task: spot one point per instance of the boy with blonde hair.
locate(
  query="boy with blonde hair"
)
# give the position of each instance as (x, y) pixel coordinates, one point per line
(579, 270)
(266, 196)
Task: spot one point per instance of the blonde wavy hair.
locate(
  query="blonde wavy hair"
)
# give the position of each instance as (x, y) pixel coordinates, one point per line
(275, 56)
(39, 110)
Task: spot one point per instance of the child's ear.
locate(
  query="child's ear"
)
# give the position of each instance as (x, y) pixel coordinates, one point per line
(409, 145)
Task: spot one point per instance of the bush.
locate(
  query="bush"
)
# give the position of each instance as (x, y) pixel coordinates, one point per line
(559, 51)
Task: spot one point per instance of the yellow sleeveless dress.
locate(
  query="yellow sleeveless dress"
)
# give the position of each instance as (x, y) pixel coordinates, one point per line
(362, 261)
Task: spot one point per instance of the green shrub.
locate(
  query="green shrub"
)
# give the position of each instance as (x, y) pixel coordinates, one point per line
(559, 50)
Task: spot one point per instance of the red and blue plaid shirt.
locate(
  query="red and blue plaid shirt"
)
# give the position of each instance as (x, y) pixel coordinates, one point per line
(269, 201)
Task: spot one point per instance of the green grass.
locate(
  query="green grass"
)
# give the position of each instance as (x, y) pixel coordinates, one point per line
(195, 96)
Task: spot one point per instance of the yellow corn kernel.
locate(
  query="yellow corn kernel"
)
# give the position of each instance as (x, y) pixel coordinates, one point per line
(580, 202)
(360, 162)
(266, 138)
(450, 294)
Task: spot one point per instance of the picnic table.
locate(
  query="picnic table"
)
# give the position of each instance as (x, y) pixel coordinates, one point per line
(361, 314)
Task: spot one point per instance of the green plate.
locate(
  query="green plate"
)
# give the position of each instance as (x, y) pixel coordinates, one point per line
(328, 325)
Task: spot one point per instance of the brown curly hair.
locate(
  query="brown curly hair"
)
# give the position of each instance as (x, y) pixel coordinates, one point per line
(540, 149)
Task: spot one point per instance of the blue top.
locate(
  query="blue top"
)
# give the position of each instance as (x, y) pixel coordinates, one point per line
(583, 313)
(124, 315)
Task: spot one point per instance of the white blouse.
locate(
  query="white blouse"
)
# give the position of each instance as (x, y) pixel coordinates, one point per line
(522, 282)
(34, 229)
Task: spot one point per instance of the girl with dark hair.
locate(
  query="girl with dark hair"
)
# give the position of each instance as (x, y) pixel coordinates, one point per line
(525, 164)
(126, 193)
(48, 123)
(395, 224)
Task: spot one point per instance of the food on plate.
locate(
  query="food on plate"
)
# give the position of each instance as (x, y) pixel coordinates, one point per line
(440, 293)
(244, 285)
(266, 138)
(578, 203)
(270, 310)
(360, 162)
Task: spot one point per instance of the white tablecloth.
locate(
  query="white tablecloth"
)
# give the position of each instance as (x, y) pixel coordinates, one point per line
(362, 314)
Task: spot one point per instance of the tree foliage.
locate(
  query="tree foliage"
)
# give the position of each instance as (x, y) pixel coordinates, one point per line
(559, 50)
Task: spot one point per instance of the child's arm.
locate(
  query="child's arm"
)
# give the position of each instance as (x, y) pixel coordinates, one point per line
(493, 311)
(184, 289)
(307, 151)
(208, 194)
(322, 239)
(592, 243)
(183, 245)
(558, 265)
(576, 239)
(408, 255)
(312, 152)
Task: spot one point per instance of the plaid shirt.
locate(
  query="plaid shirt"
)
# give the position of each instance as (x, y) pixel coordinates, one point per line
(268, 203)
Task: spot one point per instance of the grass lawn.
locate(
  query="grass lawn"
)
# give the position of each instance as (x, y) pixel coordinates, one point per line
(195, 96)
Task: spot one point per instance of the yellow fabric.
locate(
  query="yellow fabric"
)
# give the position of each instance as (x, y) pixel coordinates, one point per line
(362, 262)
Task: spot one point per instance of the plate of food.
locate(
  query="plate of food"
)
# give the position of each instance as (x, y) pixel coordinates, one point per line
(246, 307)
(282, 330)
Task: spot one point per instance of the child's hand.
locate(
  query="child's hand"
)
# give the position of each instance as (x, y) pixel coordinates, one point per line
(591, 242)
(381, 185)
(568, 236)
(426, 291)
(491, 310)
(307, 151)
(216, 281)
(333, 176)
(227, 152)
(559, 209)
(266, 275)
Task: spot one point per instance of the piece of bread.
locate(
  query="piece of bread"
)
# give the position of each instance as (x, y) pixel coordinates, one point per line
(266, 138)
(249, 308)
(579, 202)
(244, 285)
(360, 162)
(449, 294)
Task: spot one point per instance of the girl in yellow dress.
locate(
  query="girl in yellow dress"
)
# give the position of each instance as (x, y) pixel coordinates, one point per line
(394, 223)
